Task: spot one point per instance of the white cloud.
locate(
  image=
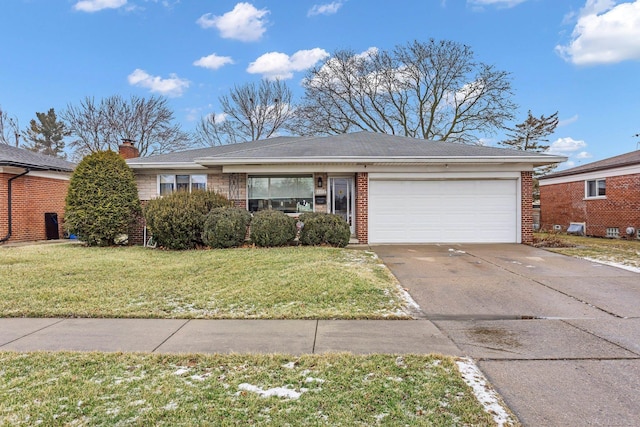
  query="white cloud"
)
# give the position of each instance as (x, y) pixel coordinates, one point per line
(277, 65)
(583, 155)
(565, 122)
(244, 23)
(173, 86)
(325, 9)
(499, 3)
(604, 33)
(213, 61)
(565, 146)
(97, 5)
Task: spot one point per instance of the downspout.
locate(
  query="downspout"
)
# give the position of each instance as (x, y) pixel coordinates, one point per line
(8, 236)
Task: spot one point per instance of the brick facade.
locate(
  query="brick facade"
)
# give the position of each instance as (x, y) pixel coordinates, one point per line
(563, 203)
(32, 197)
(526, 207)
(220, 183)
(362, 207)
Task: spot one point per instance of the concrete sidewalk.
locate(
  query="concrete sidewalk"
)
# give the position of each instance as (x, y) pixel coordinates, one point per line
(225, 336)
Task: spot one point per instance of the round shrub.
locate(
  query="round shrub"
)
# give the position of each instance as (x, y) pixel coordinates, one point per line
(226, 227)
(102, 199)
(176, 220)
(272, 228)
(327, 229)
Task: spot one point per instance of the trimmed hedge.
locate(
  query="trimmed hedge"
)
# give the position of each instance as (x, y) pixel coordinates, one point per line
(272, 228)
(327, 229)
(226, 227)
(102, 199)
(176, 221)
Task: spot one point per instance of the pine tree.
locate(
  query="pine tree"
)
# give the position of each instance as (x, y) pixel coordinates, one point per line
(46, 135)
(532, 135)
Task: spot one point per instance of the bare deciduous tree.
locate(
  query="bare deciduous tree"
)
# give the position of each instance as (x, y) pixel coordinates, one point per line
(433, 90)
(9, 129)
(103, 125)
(249, 112)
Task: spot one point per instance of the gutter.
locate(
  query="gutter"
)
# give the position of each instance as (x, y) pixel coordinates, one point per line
(9, 217)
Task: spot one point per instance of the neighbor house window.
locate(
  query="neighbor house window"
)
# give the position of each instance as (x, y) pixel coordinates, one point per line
(169, 183)
(289, 194)
(596, 188)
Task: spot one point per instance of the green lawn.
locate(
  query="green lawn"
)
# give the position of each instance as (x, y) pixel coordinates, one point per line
(71, 280)
(619, 251)
(227, 390)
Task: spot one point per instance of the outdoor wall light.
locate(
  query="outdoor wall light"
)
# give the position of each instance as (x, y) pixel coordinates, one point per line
(319, 182)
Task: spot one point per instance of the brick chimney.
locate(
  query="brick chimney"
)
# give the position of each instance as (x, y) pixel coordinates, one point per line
(127, 150)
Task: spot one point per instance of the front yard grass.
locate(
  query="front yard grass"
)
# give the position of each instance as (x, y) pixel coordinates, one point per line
(617, 251)
(70, 280)
(225, 390)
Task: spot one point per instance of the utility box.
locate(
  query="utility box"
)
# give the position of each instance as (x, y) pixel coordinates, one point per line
(51, 225)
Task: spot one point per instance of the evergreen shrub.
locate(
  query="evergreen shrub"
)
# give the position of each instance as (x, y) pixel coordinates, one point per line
(176, 220)
(272, 228)
(102, 199)
(226, 227)
(324, 229)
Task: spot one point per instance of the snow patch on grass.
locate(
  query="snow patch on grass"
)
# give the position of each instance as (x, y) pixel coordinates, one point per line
(171, 406)
(290, 365)
(484, 393)
(284, 392)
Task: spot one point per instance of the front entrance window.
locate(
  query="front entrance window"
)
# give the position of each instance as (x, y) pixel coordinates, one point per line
(342, 199)
(289, 194)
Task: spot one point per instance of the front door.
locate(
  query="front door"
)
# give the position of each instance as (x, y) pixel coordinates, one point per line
(341, 199)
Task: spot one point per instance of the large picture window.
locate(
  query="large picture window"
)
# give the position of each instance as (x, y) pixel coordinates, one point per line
(289, 194)
(169, 183)
(595, 188)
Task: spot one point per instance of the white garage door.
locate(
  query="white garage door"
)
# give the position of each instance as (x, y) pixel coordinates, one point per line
(447, 211)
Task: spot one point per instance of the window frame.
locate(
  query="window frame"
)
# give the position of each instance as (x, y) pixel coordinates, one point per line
(596, 187)
(290, 208)
(174, 182)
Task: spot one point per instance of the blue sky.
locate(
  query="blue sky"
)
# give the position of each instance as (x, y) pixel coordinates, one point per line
(578, 57)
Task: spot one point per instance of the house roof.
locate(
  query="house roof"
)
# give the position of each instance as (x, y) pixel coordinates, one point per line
(628, 159)
(360, 147)
(19, 157)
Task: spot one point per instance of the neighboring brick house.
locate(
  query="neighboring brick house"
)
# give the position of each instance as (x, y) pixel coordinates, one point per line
(33, 188)
(604, 196)
(390, 189)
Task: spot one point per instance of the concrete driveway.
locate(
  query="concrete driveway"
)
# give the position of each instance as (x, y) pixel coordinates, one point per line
(558, 337)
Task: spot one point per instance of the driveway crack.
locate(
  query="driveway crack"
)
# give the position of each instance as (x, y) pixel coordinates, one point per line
(615, 344)
(546, 286)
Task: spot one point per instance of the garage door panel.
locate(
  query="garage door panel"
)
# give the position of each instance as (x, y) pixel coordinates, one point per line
(464, 211)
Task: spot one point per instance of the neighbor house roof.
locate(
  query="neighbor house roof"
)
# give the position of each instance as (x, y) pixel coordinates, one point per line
(19, 157)
(360, 147)
(628, 159)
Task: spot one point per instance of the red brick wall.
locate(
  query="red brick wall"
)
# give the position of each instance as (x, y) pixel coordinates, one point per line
(136, 231)
(526, 189)
(32, 197)
(362, 207)
(565, 203)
